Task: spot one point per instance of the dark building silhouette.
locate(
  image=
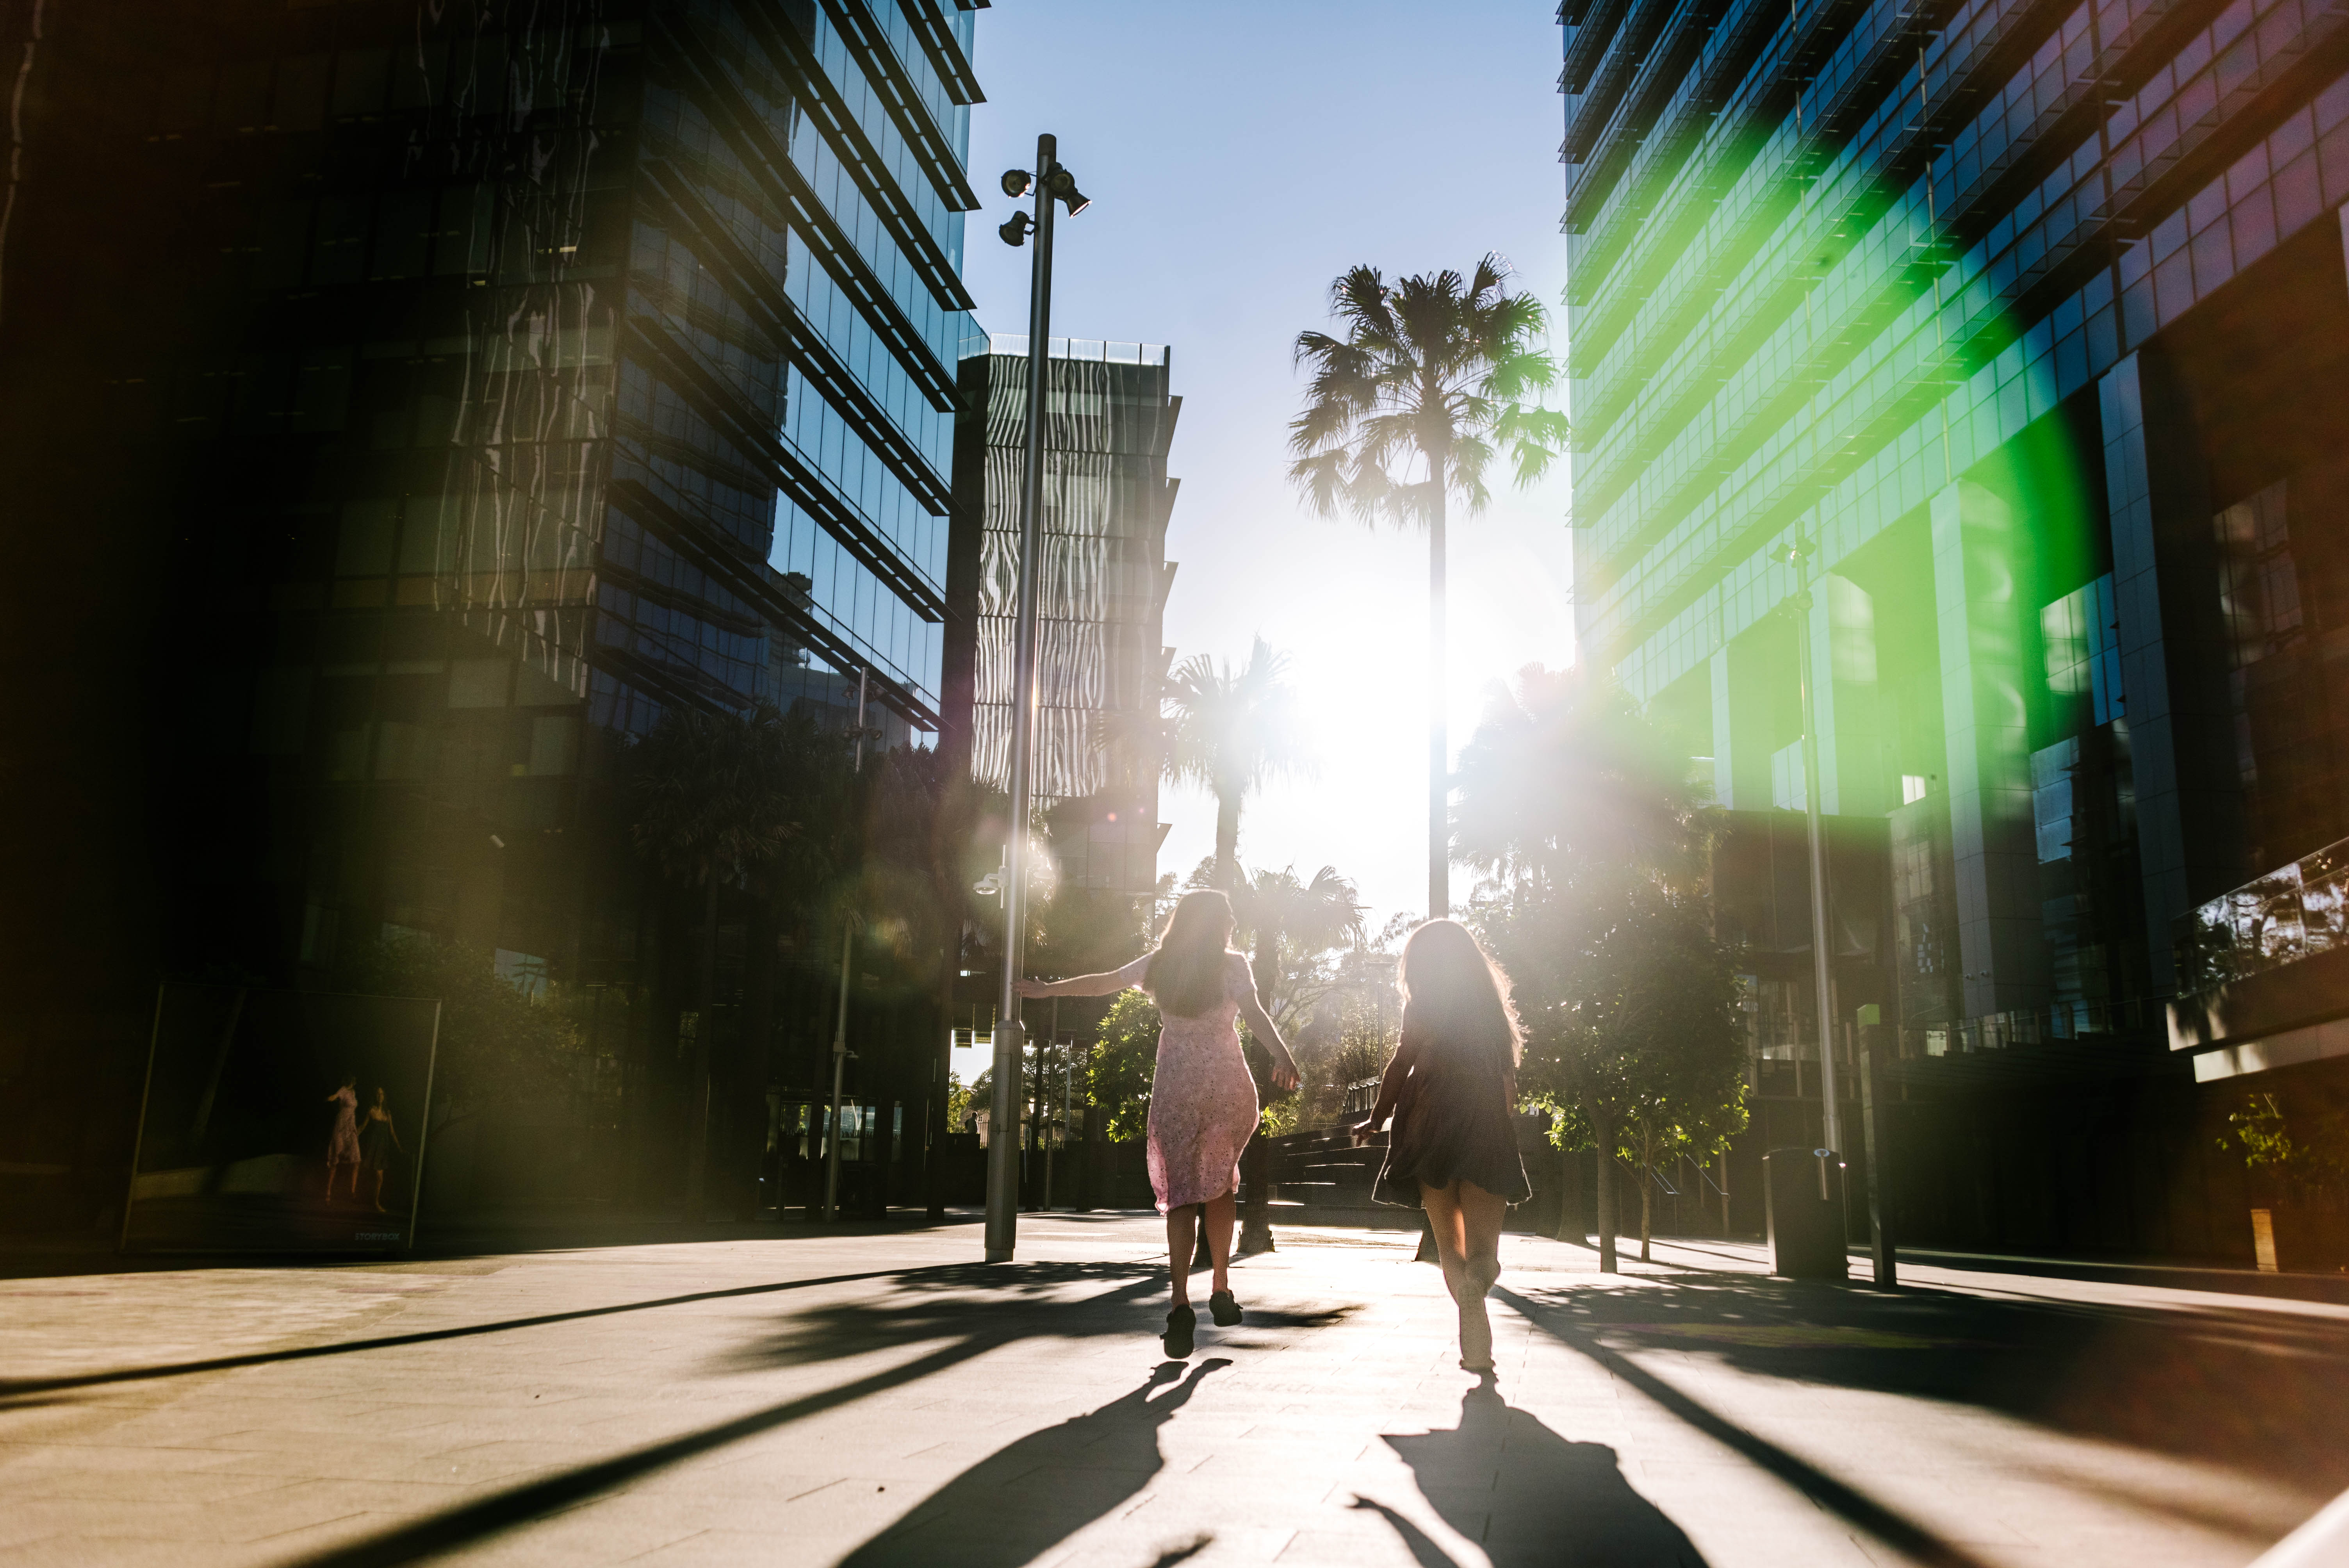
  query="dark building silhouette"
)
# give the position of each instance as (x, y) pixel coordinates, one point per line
(404, 403)
(2031, 317)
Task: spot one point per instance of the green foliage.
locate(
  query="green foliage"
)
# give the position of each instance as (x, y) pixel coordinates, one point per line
(1348, 1043)
(960, 1106)
(1580, 811)
(498, 1046)
(2306, 1150)
(1124, 1060)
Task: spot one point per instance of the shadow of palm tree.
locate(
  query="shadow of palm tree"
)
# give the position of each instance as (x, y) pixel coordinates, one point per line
(1526, 1494)
(1026, 1499)
(994, 1304)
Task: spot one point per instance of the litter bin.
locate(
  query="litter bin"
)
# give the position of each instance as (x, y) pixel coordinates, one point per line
(1802, 1200)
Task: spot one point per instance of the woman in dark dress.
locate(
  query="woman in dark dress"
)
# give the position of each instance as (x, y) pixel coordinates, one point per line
(378, 1142)
(1451, 1090)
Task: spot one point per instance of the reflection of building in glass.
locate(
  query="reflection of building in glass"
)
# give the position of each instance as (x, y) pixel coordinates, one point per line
(1104, 576)
(414, 401)
(2031, 320)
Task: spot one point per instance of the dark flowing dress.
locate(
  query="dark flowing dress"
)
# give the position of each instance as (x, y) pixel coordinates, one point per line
(1453, 1122)
(375, 1143)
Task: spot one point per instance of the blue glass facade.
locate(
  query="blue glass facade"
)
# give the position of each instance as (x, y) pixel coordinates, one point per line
(414, 400)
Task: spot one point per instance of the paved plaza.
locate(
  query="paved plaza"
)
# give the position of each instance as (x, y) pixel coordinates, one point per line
(875, 1398)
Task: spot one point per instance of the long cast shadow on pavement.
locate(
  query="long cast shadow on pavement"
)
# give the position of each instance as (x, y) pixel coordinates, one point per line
(1897, 1530)
(1527, 1495)
(14, 1389)
(1029, 1497)
(970, 1327)
(2254, 1390)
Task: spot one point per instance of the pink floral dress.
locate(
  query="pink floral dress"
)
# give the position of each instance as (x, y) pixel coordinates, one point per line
(344, 1144)
(1203, 1105)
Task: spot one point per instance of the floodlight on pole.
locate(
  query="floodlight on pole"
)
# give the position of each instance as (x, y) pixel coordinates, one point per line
(1052, 182)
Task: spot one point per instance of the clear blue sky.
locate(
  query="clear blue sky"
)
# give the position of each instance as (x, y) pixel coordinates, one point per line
(1240, 156)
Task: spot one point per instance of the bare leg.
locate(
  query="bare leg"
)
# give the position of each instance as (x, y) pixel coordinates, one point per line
(1182, 1235)
(1221, 1212)
(1466, 1223)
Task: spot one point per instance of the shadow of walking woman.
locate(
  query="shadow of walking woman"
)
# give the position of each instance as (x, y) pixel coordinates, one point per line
(1023, 1499)
(1527, 1495)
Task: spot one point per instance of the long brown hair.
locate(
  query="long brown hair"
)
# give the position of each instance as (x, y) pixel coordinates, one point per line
(1186, 971)
(1455, 1000)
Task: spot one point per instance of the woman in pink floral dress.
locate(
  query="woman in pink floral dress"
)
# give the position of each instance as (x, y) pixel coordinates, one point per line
(1203, 1105)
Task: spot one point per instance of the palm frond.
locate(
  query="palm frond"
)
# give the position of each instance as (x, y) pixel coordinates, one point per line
(1433, 369)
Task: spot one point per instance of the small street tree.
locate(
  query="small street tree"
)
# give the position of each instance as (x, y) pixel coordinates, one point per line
(1429, 382)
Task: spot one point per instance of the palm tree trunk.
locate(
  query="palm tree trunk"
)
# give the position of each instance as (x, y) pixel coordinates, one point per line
(1227, 838)
(1606, 1163)
(696, 1112)
(1439, 769)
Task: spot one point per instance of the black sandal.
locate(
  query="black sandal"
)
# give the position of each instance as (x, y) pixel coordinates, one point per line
(1179, 1326)
(1224, 1309)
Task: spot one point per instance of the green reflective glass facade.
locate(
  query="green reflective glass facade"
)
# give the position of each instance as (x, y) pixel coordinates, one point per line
(2029, 319)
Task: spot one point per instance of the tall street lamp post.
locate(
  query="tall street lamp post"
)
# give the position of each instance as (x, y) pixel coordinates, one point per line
(1050, 183)
(1799, 555)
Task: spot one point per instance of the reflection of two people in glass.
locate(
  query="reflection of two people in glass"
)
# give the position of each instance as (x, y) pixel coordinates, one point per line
(367, 1147)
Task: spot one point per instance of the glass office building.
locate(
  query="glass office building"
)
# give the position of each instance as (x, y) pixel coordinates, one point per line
(409, 401)
(2023, 325)
(1103, 577)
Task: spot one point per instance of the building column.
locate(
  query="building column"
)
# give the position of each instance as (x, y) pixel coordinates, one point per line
(1724, 751)
(1986, 728)
(2181, 742)
(1843, 663)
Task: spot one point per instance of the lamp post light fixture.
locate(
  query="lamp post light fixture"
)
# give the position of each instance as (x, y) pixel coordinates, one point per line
(1800, 555)
(1051, 184)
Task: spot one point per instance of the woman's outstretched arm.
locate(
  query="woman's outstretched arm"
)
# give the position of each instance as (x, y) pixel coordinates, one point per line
(1260, 1028)
(1100, 984)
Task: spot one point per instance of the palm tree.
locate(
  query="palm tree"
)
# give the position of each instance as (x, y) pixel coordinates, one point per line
(1306, 917)
(1409, 408)
(711, 798)
(1232, 731)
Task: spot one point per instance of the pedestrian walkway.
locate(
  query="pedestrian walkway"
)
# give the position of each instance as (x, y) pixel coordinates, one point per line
(881, 1398)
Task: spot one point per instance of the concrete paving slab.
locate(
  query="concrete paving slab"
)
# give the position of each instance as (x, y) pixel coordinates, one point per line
(882, 1397)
